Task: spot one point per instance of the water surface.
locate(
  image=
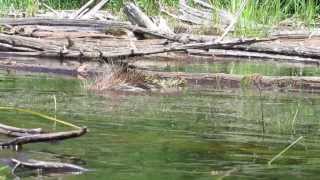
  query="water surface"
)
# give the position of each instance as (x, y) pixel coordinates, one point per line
(189, 134)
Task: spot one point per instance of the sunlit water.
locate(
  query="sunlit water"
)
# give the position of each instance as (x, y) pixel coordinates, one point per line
(189, 134)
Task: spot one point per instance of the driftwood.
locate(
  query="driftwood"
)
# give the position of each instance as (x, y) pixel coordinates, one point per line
(47, 166)
(26, 139)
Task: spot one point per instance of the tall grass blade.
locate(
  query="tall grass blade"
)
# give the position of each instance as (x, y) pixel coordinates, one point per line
(41, 115)
(284, 150)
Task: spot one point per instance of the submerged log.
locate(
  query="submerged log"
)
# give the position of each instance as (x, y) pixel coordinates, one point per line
(221, 80)
(44, 137)
(47, 166)
(20, 130)
(217, 80)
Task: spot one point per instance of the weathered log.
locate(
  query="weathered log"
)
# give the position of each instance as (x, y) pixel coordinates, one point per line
(99, 26)
(44, 137)
(47, 166)
(254, 55)
(281, 48)
(50, 48)
(195, 16)
(137, 17)
(94, 24)
(296, 34)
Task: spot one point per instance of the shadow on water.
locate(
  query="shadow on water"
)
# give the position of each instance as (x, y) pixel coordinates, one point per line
(195, 134)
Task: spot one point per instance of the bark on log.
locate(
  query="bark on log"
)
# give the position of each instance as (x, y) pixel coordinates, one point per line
(44, 137)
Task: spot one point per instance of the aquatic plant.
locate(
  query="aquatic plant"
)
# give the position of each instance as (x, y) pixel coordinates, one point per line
(126, 79)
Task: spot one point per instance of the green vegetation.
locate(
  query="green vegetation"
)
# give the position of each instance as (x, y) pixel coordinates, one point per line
(257, 18)
(260, 11)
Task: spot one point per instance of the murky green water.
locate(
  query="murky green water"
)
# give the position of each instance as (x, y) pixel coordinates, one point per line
(191, 134)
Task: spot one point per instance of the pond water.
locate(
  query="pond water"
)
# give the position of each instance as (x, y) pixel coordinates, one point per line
(194, 133)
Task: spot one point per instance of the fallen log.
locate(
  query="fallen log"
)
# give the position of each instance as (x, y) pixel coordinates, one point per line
(282, 49)
(296, 34)
(85, 50)
(98, 26)
(255, 81)
(204, 16)
(254, 55)
(19, 141)
(47, 166)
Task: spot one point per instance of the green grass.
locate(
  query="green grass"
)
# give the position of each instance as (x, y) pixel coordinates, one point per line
(257, 18)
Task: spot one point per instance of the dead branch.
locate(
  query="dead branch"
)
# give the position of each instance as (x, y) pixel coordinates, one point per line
(44, 137)
(94, 10)
(77, 14)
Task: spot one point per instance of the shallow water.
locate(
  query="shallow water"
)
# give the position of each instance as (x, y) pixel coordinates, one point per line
(189, 134)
